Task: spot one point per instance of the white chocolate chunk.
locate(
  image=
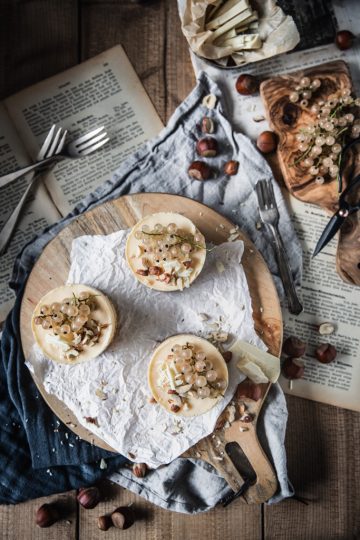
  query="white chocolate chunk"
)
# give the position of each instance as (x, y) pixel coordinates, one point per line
(233, 23)
(238, 8)
(249, 357)
(244, 42)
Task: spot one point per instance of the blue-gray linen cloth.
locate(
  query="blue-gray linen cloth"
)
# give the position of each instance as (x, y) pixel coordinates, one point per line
(38, 454)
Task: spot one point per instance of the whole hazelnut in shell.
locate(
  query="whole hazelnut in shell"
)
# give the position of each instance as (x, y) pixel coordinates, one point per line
(325, 353)
(293, 368)
(267, 142)
(207, 147)
(344, 39)
(88, 497)
(123, 517)
(294, 347)
(46, 515)
(247, 84)
(199, 170)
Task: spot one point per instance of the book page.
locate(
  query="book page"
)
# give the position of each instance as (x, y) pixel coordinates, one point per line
(326, 298)
(103, 91)
(38, 213)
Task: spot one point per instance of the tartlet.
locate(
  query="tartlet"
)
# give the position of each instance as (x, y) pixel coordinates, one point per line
(187, 375)
(73, 323)
(165, 251)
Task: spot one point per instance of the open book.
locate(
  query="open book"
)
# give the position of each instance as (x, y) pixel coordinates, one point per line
(103, 91)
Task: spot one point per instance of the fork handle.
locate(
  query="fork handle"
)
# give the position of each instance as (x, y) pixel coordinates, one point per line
(294, 304)
(7, 178)
(9, 226)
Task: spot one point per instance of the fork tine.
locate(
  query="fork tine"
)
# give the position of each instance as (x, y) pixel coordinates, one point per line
(92, 141)
(88, 136)
(61, 142)
(260, 194)
(91, 149)
(54, 144)
(271, 192)
(46, 144)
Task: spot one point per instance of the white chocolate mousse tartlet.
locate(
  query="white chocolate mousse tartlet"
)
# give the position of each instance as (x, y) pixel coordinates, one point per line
(165, 251)
(187, 375)
(73, 323)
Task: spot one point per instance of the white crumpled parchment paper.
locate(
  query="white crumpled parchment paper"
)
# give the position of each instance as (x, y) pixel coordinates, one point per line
(126, 420)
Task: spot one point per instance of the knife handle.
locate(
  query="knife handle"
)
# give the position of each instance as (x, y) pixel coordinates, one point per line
(294, 304)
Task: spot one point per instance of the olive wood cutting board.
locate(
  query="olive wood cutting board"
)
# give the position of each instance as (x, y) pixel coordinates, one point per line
(51, 271)
(286, 119)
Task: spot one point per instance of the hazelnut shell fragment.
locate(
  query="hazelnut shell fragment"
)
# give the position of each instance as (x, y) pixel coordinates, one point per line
(294, 347)
(199, 170)
(46, 515)
(231, 167)
(123, 517)
(207, 147)
(247, 84)
(249, 390)
(325, 353)
(227, 356)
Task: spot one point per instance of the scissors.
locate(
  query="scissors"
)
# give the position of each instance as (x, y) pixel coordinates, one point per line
(345, 208)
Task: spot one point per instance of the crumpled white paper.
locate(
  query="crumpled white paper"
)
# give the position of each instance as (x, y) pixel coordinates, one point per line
(126, 420)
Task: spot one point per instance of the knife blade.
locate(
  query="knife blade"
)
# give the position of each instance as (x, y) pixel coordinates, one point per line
(329, 232)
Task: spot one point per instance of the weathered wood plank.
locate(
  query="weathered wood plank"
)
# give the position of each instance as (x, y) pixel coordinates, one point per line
(38, 38)
(154, 523)
(324, 467)
(140, 28)
(17, 522)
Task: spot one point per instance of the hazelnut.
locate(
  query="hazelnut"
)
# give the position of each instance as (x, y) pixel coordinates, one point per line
(165, 277)
(231, 167)
(142, 272)
(325, 353)
(139, 469)
(294, 347)
(155, 271)
(207, 147)
(46, 515)
(344, 39)
(248, 389)
(199, 170)
(227, 356)
(104, 523)
(123, 517)
(207, 125)
(88, 497)
(247, 84)
(266, 142)
(175, 408)
(187, 264)
(247, 418)
(171, 391)
(293, 368)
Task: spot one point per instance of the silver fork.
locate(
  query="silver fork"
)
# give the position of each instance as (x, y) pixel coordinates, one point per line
(82, 146)
(269, 215)
(52, 145)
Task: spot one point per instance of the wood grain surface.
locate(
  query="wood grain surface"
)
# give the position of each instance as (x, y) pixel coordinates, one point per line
(41, 37)
(275, 93)
(52, 267)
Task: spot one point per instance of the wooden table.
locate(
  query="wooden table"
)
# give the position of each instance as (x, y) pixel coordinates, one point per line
(39, 38)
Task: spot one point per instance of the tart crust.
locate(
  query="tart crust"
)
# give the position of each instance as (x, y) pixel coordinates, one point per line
(196, 406)
(134, 259)
(104, 313)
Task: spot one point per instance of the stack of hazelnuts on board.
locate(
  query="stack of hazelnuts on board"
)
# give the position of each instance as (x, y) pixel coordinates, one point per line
(122, 517)
(207, 147)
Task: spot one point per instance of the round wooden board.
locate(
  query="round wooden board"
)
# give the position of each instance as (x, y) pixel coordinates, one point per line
(51, 270)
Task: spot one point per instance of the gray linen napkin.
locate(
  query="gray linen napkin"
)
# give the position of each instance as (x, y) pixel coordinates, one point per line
(161, 166)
